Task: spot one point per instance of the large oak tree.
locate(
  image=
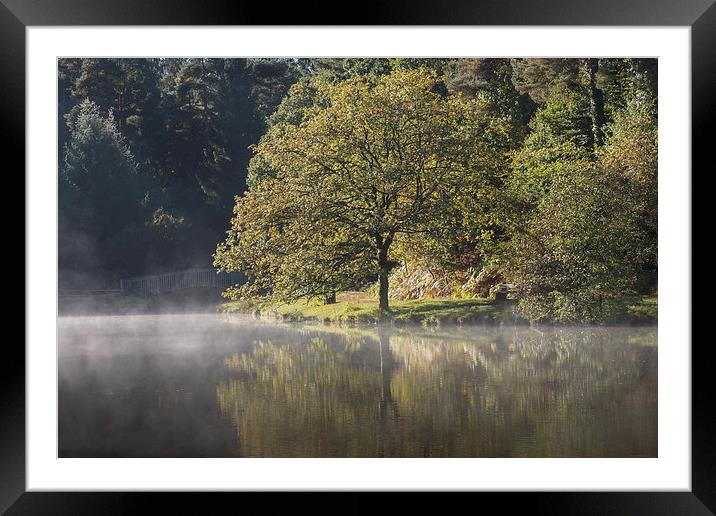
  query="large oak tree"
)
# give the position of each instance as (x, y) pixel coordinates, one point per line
(371, 162)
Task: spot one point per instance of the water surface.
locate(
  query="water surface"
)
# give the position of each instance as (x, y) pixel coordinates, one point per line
(219, 386)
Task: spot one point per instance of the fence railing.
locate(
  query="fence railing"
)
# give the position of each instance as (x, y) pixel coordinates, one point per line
(193, 278)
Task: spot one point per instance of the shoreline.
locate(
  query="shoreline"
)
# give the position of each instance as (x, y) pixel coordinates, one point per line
(352, 309)
(426, 313)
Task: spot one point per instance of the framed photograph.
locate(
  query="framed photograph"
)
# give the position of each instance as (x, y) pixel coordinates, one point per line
(436, 249)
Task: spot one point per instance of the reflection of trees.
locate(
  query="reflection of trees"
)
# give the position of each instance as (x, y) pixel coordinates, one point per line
(574, 392)
(303, 400)
(508, 393)
(438, 389)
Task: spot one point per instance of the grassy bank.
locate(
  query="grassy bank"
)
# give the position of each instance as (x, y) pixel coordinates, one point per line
(359, 308)
(356, 308)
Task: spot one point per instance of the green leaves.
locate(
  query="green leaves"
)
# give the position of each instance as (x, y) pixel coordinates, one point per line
(373, 163)
(589, 242)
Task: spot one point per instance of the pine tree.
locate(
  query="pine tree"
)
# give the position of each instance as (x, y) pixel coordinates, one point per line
(101, 194)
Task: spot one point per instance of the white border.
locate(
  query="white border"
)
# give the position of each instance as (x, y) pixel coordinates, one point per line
(670, 471)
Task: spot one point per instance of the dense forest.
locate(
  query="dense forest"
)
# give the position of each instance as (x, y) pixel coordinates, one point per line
(412, 177)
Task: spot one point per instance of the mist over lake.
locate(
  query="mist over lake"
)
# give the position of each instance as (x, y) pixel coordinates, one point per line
(209, 385)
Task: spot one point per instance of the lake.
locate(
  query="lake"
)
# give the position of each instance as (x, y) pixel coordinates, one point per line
(210, 385)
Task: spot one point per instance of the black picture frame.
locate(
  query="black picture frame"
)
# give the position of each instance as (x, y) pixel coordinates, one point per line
(17, 15)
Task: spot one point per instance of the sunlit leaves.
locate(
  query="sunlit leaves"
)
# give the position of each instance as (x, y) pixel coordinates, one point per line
(590, 241)
(373, 162)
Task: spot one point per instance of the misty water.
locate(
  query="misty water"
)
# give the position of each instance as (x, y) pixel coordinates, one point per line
(232, 386)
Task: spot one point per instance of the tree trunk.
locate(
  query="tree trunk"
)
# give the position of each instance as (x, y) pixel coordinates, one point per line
(383, 279)
(596, 102)
(330, 299)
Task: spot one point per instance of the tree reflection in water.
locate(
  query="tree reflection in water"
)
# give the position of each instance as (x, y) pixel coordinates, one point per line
(493, 393)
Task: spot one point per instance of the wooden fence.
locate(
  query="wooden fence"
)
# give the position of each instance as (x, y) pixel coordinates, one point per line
(193, 278)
